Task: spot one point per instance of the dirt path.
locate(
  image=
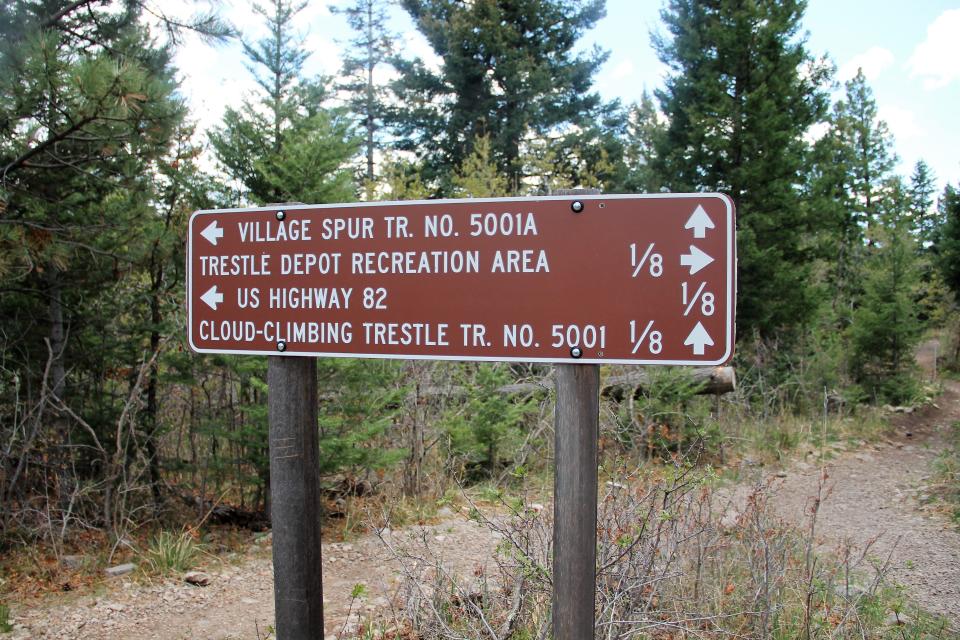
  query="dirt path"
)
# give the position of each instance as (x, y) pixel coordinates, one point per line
(238, 602)
(876, 493)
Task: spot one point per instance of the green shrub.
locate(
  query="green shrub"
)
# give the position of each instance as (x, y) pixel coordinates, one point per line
(5, 626)
(489, 423)
(948, 473)
(170, 552)
(668, 416)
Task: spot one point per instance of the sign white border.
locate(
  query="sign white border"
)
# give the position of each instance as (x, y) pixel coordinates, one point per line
(731, 278)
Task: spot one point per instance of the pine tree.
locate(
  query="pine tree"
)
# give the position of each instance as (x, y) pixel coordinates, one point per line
(886, 326)
(742, 93)
(372, 46)
(643, 129)
(285, 146)
(592, 154)
(510, 70)
(848, 181)
(838, 237)
(947, 245)
(400, 180)
(478, 177)
(924, 217)
(88, 119)
(925, 225)
(490, 421)
(870, 148)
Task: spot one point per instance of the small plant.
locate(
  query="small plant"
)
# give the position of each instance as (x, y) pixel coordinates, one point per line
(170, 552)
(5, 626)
(947, 478)
(359, 591)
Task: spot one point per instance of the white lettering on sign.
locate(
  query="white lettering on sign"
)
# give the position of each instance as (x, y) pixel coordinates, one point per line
(384, 262)
(352, 228)
(228, 330)
(310, 298)
(524, 261)
(304, 264)
(406, 333)
(481, 224)
(522, 335)
(504, 224)
(397, 227)
(244, 265)
(439, 225)
(291, 279)
(248, 297)
(270, 231)
(474, 335)
(308, 332)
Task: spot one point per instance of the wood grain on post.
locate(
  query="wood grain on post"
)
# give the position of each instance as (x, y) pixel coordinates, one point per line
(295, 497)
(577, 425)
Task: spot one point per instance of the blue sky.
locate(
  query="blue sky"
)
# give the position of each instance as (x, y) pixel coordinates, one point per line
(910, 53)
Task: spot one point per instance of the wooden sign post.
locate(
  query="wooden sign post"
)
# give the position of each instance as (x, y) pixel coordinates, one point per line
(578, 280)
(295, 497)
(576, 427)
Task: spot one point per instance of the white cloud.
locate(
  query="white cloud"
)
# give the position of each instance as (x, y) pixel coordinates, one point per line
(212, 77)
(937, 59)
(413, 44)
(816, 131)
(325, 56)
(873, 61)
(902, 123)
(622, 70)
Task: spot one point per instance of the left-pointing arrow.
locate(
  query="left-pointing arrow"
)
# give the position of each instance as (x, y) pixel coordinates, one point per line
(212, 297)
(698, 338)
(212, 233)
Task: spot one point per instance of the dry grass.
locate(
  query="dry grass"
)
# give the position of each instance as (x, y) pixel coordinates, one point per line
(677, 558)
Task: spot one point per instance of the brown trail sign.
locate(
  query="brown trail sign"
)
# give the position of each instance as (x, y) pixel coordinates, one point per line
(630, 279)
(576, 279)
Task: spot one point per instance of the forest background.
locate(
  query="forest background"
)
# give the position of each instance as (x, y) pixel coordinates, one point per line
(110, 427)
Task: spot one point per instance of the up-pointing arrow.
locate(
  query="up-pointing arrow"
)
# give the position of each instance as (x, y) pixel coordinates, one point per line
(212, 297)
(699, 222)
(698, 338)
(212, 233)
(696, 260)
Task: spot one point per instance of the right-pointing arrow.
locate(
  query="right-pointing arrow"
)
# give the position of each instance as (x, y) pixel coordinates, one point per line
(698, 338)
(696, 260)
(699, 222)
(212, 297)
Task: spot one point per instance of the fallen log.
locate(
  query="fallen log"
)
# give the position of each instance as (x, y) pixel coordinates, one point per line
(220, 513)
(715, 381)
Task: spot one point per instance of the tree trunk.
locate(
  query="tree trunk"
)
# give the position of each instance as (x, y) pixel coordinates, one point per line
(370, 97)
(151, 418)
(58, 383)
(414, 469)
